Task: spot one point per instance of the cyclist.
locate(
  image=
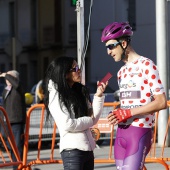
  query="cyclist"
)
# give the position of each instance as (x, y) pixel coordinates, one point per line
(141, 94)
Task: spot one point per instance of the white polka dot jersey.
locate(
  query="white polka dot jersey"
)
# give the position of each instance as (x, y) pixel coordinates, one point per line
(138, 82)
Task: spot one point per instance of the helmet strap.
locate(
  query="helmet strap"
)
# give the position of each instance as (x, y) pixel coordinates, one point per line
(123, 56)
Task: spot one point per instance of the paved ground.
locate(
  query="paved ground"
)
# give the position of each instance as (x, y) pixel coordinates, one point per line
(99, 152)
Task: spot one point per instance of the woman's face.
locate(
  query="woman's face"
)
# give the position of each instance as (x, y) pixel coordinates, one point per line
(74, 74)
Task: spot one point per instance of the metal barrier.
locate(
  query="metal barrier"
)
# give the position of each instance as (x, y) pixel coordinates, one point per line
(152, 157)
(102, 125)
(7, 143)
(41, 125)
(27, 165)
(35, 121)
(162, 157)
(105, 127)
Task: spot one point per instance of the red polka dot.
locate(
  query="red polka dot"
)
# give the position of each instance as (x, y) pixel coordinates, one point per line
(147, 118)
(140, 74)
(142, 88)
(129, 69)
(141, 125)
(143, 101)
(123, 70)
(148, 94)
(146, 71)
(145, 81)
(154, 67)
(150, 124)
(159, 81)
(136, 62)
(130, 102)
(125, 75)
(136, 119)
(147, 63)
(153, 76)
(157, 89)
(151, 84)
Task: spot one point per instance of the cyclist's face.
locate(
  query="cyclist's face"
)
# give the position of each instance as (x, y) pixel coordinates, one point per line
(114, 49)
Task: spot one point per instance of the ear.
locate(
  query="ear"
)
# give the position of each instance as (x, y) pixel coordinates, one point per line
(124, 44)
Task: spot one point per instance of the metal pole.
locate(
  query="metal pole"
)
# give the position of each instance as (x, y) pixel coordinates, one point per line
(162, 52)
(13, 53)
(80, 34)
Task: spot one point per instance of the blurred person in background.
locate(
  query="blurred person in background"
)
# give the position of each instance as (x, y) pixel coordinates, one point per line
(39, 93)
(14, 104)
(141, 95)
(68, 101)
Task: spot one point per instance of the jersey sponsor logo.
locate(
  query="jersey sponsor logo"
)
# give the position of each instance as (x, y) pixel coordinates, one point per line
(128, 85)
(130, 95)
(133, 74)
(130, 106)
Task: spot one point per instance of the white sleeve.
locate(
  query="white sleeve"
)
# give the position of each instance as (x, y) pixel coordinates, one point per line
(62, 116)
(97, 107)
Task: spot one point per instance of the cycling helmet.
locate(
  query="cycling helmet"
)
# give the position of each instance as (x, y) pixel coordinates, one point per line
(116, 30)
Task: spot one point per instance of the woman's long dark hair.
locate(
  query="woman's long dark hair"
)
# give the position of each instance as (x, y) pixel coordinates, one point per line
(73, 97)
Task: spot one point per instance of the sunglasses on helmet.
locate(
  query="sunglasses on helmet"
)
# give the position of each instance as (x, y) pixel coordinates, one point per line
(112, 46)
(75, 69)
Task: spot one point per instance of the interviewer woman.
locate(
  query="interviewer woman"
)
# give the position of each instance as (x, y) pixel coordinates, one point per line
(68, 101)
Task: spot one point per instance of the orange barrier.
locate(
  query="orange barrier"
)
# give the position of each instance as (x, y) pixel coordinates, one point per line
(152, 157)
(27, 165)
(7, 140)
(103, 126)
(167, 159)
(39, 160)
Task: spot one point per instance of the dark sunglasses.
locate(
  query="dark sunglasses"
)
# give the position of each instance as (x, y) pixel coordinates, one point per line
(75, 69)
(112, 46)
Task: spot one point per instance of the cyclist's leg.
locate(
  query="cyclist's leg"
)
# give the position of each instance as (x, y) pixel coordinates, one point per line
(119, 148)
(131, 141)
(136, 160)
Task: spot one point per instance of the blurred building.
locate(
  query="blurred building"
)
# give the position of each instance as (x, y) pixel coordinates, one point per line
(32, 32)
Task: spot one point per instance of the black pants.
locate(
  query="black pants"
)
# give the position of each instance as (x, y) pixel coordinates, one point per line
(77, 160)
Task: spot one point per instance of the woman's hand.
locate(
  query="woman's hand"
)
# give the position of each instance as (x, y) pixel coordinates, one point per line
(101, 89)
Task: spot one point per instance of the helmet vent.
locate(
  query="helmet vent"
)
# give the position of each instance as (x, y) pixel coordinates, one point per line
(116, 30)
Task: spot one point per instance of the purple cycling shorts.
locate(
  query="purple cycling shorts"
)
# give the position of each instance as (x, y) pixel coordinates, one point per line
(131, 146)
